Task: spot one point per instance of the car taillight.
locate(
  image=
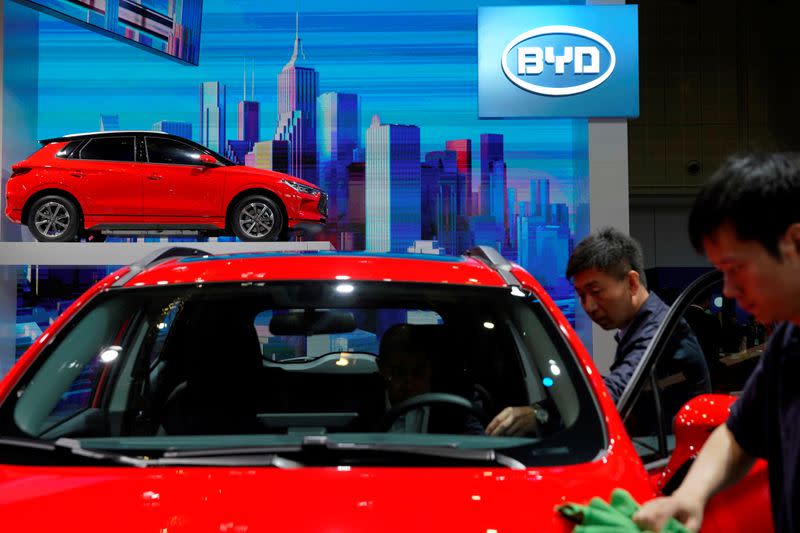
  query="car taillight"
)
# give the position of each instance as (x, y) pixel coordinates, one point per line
(19, 171)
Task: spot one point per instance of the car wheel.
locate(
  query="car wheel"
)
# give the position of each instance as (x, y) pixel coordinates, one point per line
(53, 218)
(257, 218)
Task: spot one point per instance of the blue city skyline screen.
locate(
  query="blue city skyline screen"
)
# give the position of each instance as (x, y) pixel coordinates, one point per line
(376, 104)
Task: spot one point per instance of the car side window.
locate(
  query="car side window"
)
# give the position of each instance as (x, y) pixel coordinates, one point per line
(162, 329)
(79, 395)
(741, 342)
(67, 151)
(171, 152)
(109, 149)
(77, 368)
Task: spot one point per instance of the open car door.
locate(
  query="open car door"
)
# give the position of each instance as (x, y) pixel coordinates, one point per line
(669, 423)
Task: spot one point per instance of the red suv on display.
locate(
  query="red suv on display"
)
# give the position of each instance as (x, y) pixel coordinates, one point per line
(327, 392)
(94, 184)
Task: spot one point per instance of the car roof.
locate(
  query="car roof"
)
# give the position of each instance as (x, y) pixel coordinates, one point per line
(341, 266)
(116, 133)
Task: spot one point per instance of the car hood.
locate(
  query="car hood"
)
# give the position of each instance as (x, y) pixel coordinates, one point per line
(258, 174)
(342, 499)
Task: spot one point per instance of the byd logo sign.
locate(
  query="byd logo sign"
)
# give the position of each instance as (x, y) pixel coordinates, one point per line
(531, 62)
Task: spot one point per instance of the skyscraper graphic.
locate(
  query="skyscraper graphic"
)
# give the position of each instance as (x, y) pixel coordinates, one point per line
(523, 208)
(543, 238)
(542, 198)
(513, 216)
(269, 155)
(212, 115)
(447, 187)
(463, 150)
(498, 206)
(483, 230)
(109, 122)
(429, 201)
(558, 215)
(539, 205)
(248, 121)
(392, 186)
(543, 251)
(491, 150)
(337, 138)
(237, 150)
(298, 86)
(181, 129)
(248, 112)
(354, 239)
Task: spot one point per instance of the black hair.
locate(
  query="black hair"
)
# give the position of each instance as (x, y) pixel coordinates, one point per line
(759, 194)
(610, 251)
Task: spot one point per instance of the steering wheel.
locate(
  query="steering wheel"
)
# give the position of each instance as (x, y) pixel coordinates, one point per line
(430, 398)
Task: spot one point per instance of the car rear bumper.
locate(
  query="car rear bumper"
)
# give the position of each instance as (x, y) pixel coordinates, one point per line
(15, 196)
(14, 215)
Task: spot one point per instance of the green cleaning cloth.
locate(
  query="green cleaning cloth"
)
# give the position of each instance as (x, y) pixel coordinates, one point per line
(613, 517)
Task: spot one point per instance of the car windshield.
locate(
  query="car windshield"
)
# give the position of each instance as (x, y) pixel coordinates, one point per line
(215, 367)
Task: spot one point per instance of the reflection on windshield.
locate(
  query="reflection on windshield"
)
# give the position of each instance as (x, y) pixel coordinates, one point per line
(383, 363)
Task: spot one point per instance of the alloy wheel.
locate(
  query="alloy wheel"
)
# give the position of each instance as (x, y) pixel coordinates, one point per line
(256, 219)
(52, 219)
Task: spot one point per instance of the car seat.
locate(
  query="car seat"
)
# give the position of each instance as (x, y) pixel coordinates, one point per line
(222, 360)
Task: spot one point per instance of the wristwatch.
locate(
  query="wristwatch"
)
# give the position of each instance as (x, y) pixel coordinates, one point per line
(541, 414)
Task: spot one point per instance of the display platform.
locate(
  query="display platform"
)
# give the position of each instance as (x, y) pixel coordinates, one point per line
(123, 253)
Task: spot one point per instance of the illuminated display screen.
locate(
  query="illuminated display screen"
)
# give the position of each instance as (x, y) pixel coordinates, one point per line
(170, 27)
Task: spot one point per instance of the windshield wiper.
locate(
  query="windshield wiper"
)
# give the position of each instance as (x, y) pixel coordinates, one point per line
(321, 444)
(52, 449)
(267, 459)
(73, 450)
(480, 455)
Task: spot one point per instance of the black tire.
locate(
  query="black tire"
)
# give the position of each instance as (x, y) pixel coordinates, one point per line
(257, 218)
(53, 218)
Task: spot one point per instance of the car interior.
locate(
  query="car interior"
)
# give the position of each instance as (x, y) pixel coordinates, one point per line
(299, 360)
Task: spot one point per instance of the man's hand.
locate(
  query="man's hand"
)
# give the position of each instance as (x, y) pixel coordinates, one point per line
(513, 421)
(655, 513)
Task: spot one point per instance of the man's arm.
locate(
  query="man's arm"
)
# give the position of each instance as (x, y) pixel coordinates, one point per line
(513, 421)
(617, 380)
(720, 463)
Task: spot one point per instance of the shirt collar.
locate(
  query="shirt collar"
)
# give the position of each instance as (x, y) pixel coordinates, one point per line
(647, 306)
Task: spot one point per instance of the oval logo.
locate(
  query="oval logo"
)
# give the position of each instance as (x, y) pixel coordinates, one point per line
(577, 60)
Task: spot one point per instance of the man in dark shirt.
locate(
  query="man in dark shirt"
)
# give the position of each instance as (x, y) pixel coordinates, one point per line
(607, 270)
(747, 222)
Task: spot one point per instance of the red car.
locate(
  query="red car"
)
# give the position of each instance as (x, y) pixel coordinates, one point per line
(95, 184)
(326, 392)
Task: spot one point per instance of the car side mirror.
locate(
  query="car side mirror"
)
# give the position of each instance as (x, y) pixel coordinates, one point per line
(208, 160)
(692, 426)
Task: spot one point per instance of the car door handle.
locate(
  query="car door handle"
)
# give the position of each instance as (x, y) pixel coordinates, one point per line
(76, 174)
(155, 177)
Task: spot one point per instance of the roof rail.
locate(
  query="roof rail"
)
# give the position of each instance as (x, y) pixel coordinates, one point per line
(114, 133)
(497, 262)
(155, 257)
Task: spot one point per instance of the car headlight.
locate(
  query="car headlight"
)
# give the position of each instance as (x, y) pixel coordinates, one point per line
(299, 187)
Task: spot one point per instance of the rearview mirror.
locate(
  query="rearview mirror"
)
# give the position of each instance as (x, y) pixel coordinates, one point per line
(208, 160)
(312, 322)
(692, 426)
